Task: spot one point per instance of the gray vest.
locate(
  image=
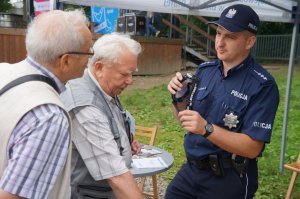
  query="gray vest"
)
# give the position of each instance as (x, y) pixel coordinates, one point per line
(84, 92)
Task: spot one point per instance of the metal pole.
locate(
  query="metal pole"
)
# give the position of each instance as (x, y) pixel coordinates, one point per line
(186, 39)
(208, 42)
(26, 11)
(288, 89)
(171, 29)
(187, 30)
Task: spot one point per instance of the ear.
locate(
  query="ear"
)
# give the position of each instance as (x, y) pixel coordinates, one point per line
(98, 69)
(65, 63)
(250, 42)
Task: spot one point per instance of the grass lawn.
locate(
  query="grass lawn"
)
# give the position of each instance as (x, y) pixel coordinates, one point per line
(153, 107)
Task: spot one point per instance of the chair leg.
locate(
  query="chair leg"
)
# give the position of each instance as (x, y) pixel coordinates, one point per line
(154, 183)
(291, 185)
(142, 184)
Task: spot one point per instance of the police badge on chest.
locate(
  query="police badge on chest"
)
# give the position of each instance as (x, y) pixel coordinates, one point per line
(230, 120)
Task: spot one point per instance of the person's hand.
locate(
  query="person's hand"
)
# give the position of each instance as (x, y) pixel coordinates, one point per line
(192, 121)
(175, 84)
(135, 147)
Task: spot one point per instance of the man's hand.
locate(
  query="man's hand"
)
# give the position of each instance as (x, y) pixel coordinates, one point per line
(135, 147)
(175, 84)
(192, 121)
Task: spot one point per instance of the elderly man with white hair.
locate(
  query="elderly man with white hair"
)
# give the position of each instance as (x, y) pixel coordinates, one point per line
(103, 144)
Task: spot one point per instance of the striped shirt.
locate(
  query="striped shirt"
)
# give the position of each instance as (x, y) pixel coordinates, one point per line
(37, 149)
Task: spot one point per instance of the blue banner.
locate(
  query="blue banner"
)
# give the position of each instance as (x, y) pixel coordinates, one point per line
(105, 19)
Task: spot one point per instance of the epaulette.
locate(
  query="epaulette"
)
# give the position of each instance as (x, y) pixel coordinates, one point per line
(209, 63)
(261, 75)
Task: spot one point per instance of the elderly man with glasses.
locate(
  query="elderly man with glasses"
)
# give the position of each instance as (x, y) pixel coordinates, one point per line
(35, 141)
(102, 138)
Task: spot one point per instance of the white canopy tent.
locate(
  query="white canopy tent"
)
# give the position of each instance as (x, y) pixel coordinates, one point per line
(275, 10)
(268, 10)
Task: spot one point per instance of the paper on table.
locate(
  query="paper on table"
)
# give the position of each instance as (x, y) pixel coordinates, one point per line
(148, 152)
(149, 163)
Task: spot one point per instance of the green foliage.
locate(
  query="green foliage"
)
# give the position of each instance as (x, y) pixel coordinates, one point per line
(272, 28)
(5, 6)
(153, 107)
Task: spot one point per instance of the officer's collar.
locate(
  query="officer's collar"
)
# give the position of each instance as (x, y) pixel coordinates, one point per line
(242, 65)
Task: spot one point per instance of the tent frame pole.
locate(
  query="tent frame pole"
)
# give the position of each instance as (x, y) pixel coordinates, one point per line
(288, 89)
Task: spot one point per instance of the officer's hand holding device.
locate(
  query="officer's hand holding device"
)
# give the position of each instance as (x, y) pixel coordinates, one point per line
(182, 98)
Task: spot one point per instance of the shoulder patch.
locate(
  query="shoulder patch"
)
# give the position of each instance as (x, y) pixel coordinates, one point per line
(261, 76)
(209, 63)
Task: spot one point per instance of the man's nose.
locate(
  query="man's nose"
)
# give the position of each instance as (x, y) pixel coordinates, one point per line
(221, 40)
(129, 80)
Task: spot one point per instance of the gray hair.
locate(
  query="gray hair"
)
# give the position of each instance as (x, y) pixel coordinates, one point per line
(110, 46)
(54, 33)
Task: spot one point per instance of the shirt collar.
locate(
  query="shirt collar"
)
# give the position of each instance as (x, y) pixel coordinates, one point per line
(238, 67)
(44, 71)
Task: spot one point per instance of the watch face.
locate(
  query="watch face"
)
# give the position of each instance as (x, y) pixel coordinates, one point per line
(209, 128)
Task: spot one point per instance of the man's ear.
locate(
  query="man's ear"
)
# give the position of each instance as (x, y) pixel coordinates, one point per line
(250, 42)
(64, 63)
(98, 69)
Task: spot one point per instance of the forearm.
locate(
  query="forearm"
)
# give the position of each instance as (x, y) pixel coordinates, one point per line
(124, 186)
(237, 143)
(6, 195)
(234, 142)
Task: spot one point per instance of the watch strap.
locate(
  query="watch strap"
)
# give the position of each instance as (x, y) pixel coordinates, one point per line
(208, 130)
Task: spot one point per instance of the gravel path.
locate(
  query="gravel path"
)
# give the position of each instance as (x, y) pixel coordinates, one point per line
(161, 186)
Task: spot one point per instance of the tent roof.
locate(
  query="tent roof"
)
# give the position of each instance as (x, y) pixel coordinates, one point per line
(275, 10)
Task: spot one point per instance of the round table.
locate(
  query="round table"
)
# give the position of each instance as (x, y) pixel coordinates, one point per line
(167, 157)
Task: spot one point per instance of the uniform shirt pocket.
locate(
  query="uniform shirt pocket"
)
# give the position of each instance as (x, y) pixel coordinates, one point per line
(202, 103)
(230, 116)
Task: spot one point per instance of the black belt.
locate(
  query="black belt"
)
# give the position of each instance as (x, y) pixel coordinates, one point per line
(208, 163)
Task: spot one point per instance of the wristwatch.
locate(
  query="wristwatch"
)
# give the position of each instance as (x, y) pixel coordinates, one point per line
(209, 128)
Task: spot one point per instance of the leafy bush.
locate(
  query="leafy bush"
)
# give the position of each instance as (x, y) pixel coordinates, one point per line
(5, 5)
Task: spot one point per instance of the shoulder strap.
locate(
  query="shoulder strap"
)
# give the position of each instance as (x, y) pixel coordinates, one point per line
(113, 124)
(27, 78)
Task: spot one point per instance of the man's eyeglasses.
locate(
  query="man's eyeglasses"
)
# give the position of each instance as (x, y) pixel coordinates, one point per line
(91, 53)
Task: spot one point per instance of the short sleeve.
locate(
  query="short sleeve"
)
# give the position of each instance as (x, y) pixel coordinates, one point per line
(38, 149)
(95, 143)
(260, 116)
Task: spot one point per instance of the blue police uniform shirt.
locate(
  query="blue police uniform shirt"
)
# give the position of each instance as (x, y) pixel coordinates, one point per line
(244, 101)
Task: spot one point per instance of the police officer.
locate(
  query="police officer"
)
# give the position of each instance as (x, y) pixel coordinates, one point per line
(230, 117)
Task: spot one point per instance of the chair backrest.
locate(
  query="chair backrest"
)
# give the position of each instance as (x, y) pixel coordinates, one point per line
(146, 132)
(295, 166)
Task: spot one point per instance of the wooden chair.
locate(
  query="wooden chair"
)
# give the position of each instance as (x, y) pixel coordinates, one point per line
(295, 167)
(143, 134)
